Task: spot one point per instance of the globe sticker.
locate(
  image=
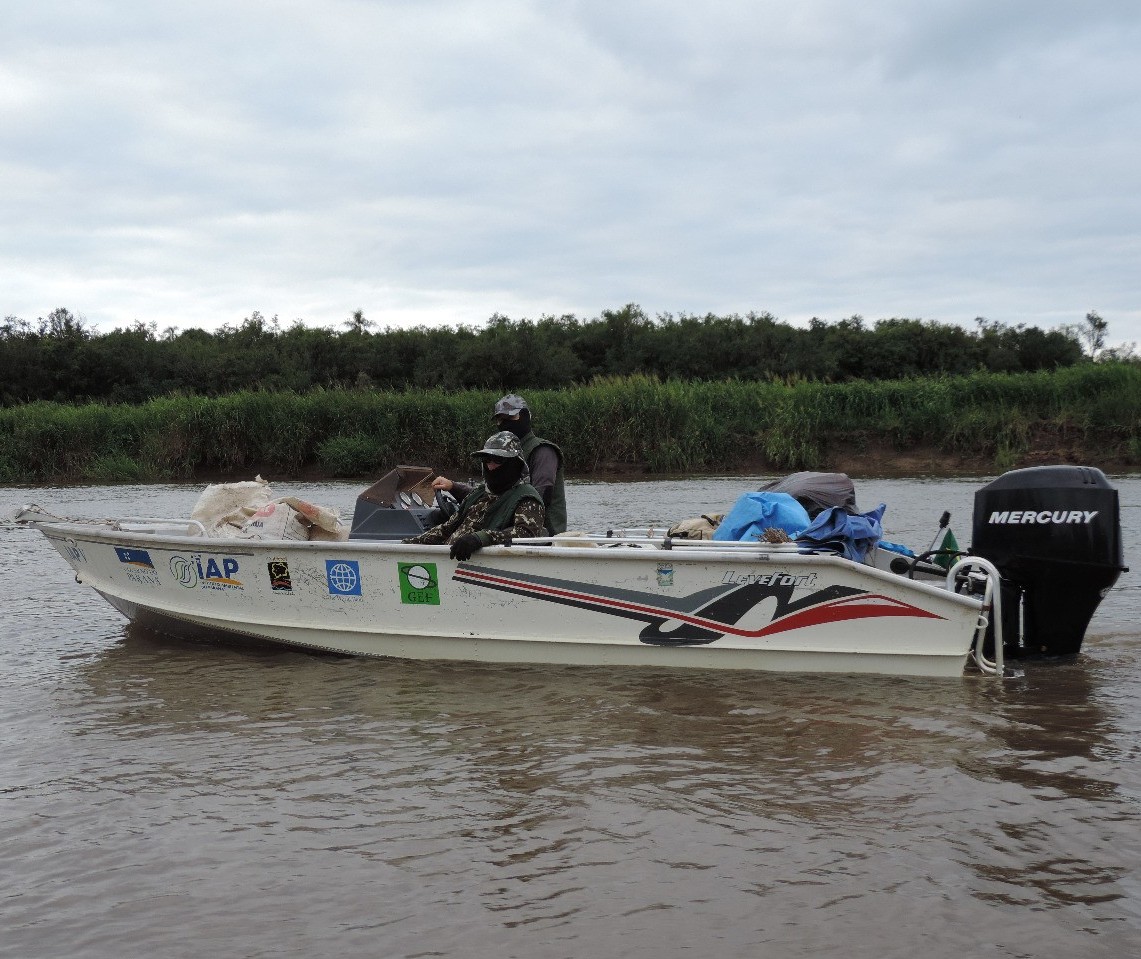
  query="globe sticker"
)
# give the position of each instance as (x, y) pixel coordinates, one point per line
(343, 576)
(419, 585)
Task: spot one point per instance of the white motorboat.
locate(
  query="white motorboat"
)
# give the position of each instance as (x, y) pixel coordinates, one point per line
(627, 597)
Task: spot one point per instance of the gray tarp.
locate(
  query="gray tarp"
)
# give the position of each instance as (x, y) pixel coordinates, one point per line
(817, 491)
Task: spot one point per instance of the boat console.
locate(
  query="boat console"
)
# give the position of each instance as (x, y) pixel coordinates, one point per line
(396, 506)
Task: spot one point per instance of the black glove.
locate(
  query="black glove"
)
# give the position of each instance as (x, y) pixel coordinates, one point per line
(463, 547)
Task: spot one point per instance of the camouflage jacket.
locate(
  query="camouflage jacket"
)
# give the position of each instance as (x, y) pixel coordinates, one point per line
(527, 521)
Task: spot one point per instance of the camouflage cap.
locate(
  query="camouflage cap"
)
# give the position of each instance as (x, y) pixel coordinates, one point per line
(504, 446)
(510, 405)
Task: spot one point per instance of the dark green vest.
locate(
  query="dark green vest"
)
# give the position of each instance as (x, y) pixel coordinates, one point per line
(557, 508)
(502, 511)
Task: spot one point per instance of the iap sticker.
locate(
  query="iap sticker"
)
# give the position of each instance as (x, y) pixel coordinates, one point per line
(419, 584)
(193, 572)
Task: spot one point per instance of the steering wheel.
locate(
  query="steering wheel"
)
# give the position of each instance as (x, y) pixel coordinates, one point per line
(447, 502)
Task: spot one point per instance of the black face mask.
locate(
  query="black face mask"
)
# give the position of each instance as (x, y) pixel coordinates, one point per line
(500, 480)
(520, 427)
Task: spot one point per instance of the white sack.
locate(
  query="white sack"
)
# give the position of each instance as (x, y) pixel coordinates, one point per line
(224, 508)
(275, 521)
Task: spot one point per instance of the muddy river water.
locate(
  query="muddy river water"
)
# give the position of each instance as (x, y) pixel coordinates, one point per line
(165, 799)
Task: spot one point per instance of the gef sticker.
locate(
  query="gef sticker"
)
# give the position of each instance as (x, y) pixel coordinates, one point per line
(418, 584)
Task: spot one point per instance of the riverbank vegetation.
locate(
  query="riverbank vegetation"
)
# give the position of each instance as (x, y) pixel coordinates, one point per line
(60, 358)
(1088, 413)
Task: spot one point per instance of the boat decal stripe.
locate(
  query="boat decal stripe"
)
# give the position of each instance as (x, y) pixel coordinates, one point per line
(667, 604)
(866, 606)
(861, 606)
(588, 600)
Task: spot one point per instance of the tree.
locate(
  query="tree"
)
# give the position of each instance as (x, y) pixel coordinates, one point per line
(357, 322)
(62, 324)
(1093, 333)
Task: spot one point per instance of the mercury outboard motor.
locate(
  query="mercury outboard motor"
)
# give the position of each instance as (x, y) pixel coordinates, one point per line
(1054, 532)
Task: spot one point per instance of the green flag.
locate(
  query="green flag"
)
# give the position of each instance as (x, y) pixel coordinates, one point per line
(949, 543)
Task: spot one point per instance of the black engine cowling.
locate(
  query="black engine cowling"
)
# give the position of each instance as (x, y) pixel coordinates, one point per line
(1054, 532)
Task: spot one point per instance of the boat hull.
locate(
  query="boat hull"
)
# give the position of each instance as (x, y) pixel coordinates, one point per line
(758, 608)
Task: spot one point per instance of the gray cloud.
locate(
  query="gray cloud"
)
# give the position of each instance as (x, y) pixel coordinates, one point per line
(441, 161)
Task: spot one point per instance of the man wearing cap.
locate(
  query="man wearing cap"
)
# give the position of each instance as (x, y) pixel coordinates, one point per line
(544, 460)
(501, 508)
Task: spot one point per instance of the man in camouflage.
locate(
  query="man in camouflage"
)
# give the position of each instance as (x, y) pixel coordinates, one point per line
(501, 508)
(544, 460)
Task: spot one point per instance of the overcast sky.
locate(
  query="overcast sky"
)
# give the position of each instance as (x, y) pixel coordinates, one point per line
(437, 162)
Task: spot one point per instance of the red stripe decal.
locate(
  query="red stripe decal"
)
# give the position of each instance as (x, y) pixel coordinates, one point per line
(864, 606)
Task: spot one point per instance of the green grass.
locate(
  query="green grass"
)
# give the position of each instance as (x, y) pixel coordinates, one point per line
(635, 421)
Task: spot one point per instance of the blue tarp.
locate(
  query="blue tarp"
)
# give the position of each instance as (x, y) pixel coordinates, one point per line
(849, 535)
(896, 548)
(753, 513)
